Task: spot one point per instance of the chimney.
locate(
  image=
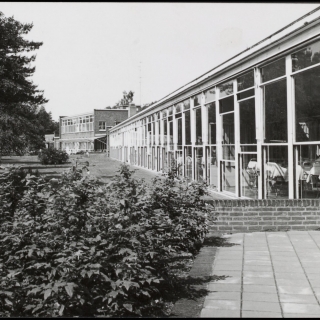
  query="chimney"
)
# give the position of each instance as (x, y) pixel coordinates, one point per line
(132, 110)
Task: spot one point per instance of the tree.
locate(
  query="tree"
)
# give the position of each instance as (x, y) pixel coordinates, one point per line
(126, 100)
(20, 99)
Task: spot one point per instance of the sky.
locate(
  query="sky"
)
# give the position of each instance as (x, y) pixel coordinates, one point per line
(92, 52)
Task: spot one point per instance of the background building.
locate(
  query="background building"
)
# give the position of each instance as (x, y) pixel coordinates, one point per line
(249, 128)
(89, 131)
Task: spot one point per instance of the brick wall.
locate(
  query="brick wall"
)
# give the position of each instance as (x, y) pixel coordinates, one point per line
(110, 116)
(264, 215)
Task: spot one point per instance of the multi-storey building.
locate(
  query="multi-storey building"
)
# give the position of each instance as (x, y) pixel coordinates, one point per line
(250, 127)
(89, 131)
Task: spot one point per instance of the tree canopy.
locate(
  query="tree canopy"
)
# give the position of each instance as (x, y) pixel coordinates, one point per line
(20, 100)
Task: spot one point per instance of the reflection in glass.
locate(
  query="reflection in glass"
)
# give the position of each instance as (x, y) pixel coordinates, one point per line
(188, 162)
(226, 105)
(306, 57)
(210, 95)
(228, 136)
(187, 127)
(307, 164)
(164, 158)
(228, 176)
(179, 131)
(245, 81)
(273, 70)
(186, 104)
(171, 132)
(170, 110)
(307, 101)
(197, 100)
(276, 176)
(249, 176)
(275, 104)
(165, 131)
(212, 122)
(199, 164)
(179, 107)
(198, 126)
(245, 94)
(226, 89)
(212, 167)
(179, 162)
(247, 122)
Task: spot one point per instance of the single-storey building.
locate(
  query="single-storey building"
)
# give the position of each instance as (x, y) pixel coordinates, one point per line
(249, 128)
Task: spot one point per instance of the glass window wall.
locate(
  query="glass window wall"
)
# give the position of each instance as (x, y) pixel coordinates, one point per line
(306, 57)
(307, 101)
(198, 126)
(275, 108)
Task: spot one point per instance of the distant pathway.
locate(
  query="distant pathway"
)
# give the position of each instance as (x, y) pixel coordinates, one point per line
(267, 274)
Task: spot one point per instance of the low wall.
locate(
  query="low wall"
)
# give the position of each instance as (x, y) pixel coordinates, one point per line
(264, 215)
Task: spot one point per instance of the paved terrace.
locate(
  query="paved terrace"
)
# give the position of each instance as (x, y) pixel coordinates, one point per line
(265, 274)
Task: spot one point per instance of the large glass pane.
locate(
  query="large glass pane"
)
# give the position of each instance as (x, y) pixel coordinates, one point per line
(188, 162)
(247, 122)
(226, 105)
(199, 160)
(171, 132)
(276, 174)
(164, 159)
(228, 176)
(179, 162)
(273, 70)
(186, 104)
(245, 81)
(198, 126)
(197, 100)
(307, 102)
(275, 104)
(306, 57)
(210, 95)
(307, 172)
(226, 89)
(165, 131)
(187, 127)
(212, 122)
(212, 167)
(179, 132)
(179, 107)
(228, 136)
(249, 176)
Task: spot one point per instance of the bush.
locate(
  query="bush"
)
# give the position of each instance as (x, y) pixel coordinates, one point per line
(82, 249)
(53, 156)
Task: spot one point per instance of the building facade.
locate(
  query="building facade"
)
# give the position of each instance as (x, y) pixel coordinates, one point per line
(249, 128)
(89, 131)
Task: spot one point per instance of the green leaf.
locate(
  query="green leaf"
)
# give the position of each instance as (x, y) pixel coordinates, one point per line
(8, 302)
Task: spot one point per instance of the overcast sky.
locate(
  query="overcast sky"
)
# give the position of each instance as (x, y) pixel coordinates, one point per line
(92, 52)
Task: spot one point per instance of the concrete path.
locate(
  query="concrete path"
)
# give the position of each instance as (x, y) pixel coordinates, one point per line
(266, 274)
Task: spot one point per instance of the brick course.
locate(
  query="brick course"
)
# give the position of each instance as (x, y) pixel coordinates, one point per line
(264, 215)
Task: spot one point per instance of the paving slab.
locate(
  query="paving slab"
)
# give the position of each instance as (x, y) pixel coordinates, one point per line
(276, 275)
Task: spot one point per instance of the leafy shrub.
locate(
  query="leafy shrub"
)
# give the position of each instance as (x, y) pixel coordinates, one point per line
(53, 156)
(81, 249)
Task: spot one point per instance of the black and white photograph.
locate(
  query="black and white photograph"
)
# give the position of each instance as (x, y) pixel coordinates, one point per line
(160, 159)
